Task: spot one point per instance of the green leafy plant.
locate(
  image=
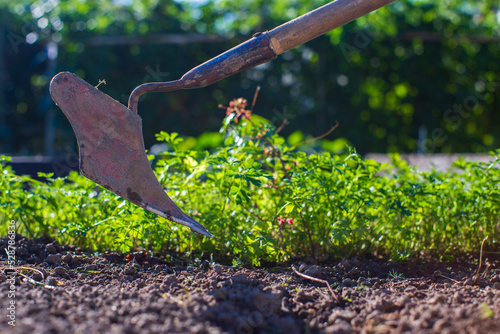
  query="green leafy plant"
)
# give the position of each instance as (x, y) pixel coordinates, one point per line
(267, 201)
(394, 274)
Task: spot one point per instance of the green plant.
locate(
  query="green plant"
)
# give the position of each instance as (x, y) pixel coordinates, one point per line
(265, 200)
(394, 274)
(486, 311)
(237, 262)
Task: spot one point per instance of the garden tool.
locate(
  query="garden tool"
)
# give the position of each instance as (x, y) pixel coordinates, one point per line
(109, 135)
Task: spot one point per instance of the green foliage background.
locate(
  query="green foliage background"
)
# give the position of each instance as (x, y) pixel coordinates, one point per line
(409, 66)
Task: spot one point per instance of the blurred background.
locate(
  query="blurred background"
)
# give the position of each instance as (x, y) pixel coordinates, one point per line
(415, 77)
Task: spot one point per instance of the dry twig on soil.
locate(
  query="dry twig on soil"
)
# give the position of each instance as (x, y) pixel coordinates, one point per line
(334, 295)
(480, 260)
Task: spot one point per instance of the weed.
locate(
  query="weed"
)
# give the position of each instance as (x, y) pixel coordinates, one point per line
(267, 201)
(487, 312)
(237, 263)
(360, 287)
(395, 275)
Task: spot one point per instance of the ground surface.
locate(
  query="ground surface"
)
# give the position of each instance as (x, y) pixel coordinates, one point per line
(140, 294)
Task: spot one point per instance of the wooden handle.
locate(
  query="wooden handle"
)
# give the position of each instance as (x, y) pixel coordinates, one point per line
(320, 21)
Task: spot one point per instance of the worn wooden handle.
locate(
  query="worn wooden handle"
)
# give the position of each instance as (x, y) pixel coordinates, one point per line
(320, 21)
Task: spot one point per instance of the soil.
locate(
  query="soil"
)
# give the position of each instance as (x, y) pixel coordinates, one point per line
(75, 292)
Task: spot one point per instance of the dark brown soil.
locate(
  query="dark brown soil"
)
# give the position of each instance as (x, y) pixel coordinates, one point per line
(114, 293)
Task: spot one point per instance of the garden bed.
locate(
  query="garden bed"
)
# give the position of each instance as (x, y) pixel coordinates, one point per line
(76, 292)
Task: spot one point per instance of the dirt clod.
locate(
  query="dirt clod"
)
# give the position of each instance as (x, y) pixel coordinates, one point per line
(67, 258)
(217, 269)
(129, 270)
(52, 281)
(53, 259)
(60, 271)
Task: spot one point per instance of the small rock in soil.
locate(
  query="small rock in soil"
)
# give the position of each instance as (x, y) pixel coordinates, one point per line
(61, 271)
(67, 258)
(129, 270)
(170, 280)
(37, 276)
(77, 260)
(53, 259)
(51, 249)
(90, 267)
(218, 269)
(22, 252)
(52, 281)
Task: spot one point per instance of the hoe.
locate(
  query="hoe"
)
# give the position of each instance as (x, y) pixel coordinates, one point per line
(109, 135)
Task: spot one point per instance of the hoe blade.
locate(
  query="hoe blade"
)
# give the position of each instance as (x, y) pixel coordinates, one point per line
(111, 147)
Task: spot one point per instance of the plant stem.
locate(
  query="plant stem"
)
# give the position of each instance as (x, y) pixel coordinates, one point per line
(316, 138)
(306, 229)
(278, 154)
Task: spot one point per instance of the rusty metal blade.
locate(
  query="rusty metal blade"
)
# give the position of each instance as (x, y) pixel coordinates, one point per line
(111, 147)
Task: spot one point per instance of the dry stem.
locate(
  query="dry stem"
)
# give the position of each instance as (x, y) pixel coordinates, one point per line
(334, 295)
